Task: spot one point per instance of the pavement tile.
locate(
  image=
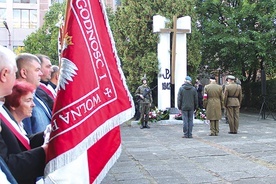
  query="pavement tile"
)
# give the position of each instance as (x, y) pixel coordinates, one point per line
(160, 156)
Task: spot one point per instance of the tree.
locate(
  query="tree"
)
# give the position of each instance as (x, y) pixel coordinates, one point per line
(239, 37)
(136, 44)
(45, 39)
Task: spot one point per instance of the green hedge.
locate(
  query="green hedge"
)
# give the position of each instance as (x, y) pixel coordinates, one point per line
(253, 97)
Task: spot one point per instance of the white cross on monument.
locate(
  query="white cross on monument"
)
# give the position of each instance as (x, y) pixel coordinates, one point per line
(173, 72)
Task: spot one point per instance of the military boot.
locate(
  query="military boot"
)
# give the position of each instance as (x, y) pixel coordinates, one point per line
(146, 125)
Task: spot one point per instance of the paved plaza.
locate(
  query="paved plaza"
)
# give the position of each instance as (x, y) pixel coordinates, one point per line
(160, 156)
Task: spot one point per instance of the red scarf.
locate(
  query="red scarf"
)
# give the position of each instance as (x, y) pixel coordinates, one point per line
(48, 91)
(16, 133)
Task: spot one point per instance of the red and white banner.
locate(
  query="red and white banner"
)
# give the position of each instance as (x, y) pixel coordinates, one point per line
(92, 99)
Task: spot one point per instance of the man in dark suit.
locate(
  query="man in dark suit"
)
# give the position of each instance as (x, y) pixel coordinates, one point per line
(43, 90)
(54, 79)
(199, 89)
(29, 69)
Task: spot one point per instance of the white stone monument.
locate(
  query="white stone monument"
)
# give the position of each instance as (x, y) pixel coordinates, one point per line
(183, 27)
(164, 75)
(173, 72)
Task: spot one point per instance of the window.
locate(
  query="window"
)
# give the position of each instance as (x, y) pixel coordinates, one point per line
(16, 19)
(2, 1)
(33, 19)
(2, 16)
(25, 1)
(24, 18)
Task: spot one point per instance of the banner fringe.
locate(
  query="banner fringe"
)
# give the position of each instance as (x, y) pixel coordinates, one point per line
(90, 140)
(102, 130)
(102, 4)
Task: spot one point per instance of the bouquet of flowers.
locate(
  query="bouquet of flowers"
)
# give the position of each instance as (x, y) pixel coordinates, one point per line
(178, 116)
(157, 115)
(201, 114)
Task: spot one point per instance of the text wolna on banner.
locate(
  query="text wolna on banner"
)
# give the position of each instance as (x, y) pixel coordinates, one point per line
(92, 99)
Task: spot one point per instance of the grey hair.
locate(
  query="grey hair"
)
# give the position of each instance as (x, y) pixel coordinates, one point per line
(55, 69)
(7, 58)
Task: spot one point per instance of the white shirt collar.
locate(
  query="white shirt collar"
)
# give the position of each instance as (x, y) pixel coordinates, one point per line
(18, 127)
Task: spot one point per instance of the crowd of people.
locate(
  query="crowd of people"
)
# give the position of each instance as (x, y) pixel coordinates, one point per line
(214, 99)
(27, 93)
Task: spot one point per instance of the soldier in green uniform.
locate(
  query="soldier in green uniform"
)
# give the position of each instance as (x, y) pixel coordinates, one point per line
(144, 92)
(213, 102)
(232, 102)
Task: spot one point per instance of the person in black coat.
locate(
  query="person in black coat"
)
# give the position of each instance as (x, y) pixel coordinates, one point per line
(7, 74)
(187, 102)
(199, 89)
(25, 155)
(43, 91)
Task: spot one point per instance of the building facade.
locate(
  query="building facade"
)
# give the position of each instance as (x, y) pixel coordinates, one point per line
(20, 18)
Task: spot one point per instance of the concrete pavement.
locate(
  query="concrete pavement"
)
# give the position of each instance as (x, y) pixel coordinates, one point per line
(160, 156)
